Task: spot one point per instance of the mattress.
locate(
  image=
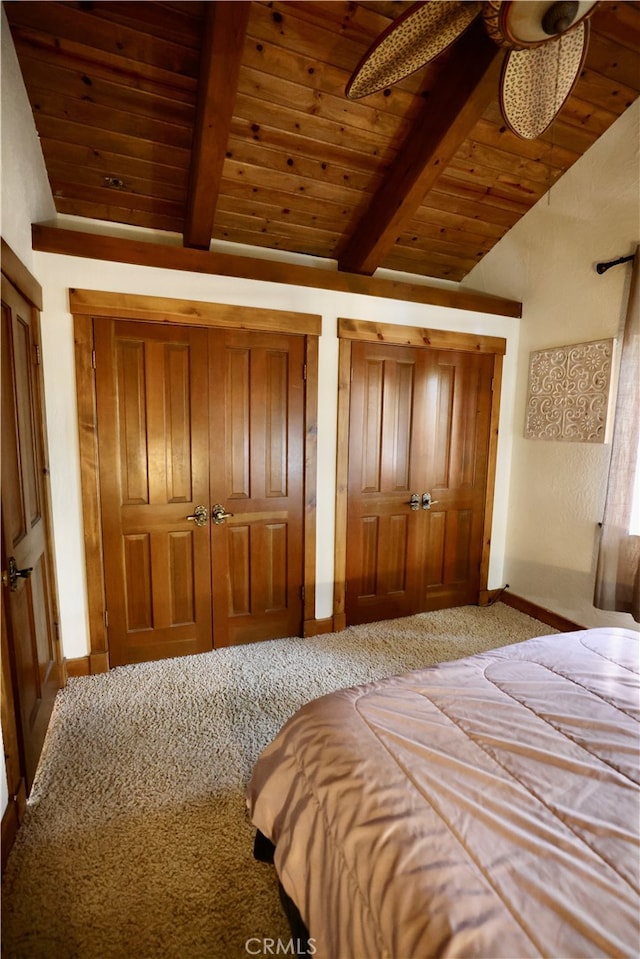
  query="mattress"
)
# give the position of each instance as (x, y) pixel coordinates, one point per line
(484, 807)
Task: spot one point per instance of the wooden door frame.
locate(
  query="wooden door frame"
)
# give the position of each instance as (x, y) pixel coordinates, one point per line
(16, 273)
(89, 305)
(420, 338)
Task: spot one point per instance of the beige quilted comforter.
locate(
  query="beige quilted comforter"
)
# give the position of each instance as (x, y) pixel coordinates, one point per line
(485, 807)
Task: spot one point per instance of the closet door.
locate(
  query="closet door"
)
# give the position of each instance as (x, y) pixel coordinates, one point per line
(257, 470)
(418, 452)
(153, 440)
(386, 466)
(201, 450)
(458, 418)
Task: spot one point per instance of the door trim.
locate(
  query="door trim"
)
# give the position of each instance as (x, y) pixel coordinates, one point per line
(132, 306)
(17, 273)
(420, 338)
(89, 305)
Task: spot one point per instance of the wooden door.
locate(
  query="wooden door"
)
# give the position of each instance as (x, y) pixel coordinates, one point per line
(386, 453)
(257, 469)
(29, 603)
(194, 421)
(153, 443)
(418, 449)
(458, 420)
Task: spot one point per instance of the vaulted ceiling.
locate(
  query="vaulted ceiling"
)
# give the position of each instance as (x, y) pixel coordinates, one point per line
(228, 120)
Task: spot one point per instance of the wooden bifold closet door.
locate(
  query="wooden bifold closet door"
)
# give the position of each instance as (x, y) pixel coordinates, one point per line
(200, 441)
(418, 452)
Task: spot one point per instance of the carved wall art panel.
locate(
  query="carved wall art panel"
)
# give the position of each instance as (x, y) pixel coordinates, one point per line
(569, 392)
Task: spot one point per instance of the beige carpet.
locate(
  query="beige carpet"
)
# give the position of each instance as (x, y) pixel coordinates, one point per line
(136, 843)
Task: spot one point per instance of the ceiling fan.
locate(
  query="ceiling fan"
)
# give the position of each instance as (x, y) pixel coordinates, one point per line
(546, 47)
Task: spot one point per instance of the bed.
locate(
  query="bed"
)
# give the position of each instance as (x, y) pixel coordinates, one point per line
(484, 807)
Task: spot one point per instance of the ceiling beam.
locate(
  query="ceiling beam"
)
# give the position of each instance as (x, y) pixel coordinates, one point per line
(116, 249)
(462, 92)
(224, 29)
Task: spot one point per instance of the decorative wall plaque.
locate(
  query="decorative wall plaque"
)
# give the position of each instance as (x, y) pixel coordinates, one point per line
(569, 392)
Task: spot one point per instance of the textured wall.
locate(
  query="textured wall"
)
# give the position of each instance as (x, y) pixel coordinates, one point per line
(557, 489)
(26, 194)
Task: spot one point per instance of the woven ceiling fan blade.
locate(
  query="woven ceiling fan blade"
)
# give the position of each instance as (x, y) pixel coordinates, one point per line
(418, 36)
(536, 82)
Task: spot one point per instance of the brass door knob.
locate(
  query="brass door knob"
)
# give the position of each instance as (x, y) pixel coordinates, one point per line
(12, 574)
(200, 516)
(219, 515)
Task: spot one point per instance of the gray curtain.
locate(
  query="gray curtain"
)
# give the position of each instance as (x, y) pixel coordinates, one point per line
(618, 571)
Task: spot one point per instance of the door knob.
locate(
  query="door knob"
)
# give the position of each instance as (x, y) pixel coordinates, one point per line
(219, 515)
(414, 502)
(12, 574)
(200, 516)
(427, 502)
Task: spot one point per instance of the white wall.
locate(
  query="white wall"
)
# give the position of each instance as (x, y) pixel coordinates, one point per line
(59, 273)
(26, 195)
(557, 490)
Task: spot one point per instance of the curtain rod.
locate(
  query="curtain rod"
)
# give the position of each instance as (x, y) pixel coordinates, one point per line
(603, 267)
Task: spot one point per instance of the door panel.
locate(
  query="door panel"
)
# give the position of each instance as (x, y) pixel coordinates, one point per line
(257, 451)
(151, 389)
(28, 602)
(385, 441)
(457, 424)
(419, 423)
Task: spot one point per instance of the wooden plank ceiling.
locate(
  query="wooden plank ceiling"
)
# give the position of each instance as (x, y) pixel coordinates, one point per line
(229, 120)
